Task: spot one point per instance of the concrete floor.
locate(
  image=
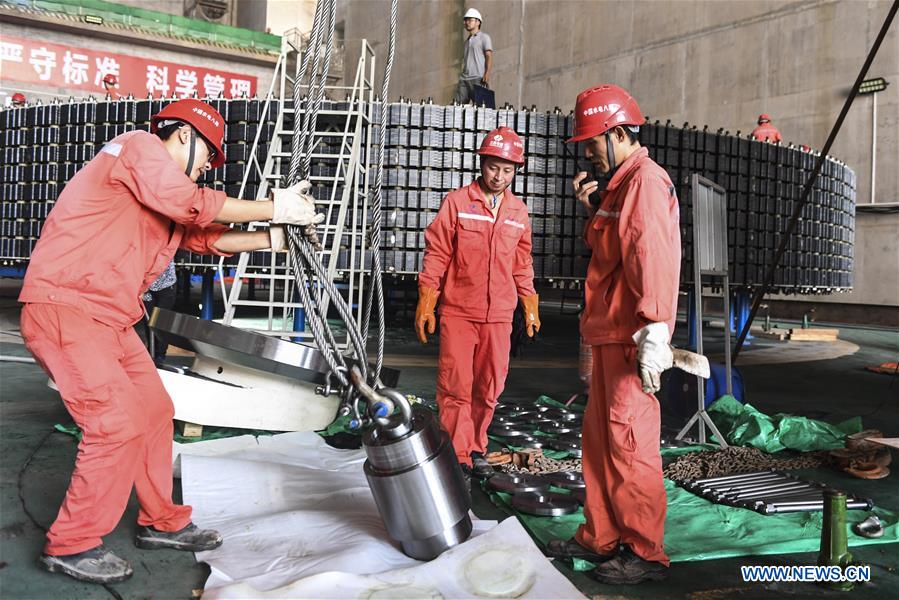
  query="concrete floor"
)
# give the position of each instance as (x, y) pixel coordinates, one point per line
(35, 462)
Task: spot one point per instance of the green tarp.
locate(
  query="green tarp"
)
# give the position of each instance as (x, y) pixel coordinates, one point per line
(697, 529)
(743, 425)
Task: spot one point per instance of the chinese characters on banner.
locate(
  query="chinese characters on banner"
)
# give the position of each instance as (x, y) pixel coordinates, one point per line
(33, 61)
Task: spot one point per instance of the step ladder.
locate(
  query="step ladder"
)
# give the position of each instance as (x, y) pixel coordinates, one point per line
(340, 175)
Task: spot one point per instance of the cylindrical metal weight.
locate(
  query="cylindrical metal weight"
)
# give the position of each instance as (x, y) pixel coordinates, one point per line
(418, 486)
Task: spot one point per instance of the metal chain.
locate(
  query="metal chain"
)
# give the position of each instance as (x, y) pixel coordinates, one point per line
(737, 459)
(543, 465)
(376, 291)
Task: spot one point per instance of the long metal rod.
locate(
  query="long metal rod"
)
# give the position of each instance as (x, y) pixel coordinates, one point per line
(873, 146)
(806, 192)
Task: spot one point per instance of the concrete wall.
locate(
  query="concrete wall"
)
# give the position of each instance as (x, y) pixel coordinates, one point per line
(719, 63)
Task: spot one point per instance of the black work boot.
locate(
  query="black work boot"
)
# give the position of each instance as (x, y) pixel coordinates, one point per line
(97, 565)
(191, 538)
(466, 476)
(572, 549)
(627, 568)
(480, 468)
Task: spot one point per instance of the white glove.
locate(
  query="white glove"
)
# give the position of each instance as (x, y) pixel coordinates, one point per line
(278, 238)
(654, 355)
(294, 206)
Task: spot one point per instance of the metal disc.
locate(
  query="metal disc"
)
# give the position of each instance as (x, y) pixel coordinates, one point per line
(240, 347)
(556, 429)
(526, 442)
(516, 484)
(505, 431)
(580, 494)
(547, 505)
(573, 437)
(569, 480)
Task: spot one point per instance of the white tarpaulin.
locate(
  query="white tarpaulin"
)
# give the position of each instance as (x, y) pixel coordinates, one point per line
(300, 522)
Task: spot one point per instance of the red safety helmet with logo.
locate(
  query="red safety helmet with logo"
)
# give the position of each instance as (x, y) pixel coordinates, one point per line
(203, 118)
(503, 143)
(601, 108)
(110, 79)
(764, 119)
(18, 98)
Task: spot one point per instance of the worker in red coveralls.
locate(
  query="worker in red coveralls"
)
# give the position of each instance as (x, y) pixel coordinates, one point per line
(113, 230)
(766, 132)
(478, 262)
(628, 319)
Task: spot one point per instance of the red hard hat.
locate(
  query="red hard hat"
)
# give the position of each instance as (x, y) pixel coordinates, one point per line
(205, 119)
(503, 143)
(764, 119)
(111, 79)
(18, 98)
(601, 108)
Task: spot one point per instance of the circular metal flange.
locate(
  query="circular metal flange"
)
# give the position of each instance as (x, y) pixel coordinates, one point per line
(580, 494)
(517, 484)
(556, 429)
(506, 431)
(541, 422)
(569, 438)
(240, 347)
(526, 442)
(573, 449)
(559, 414)
(551, 504)
(569, 480)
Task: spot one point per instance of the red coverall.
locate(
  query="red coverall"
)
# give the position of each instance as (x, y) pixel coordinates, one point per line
(632, 281)
(481, 265)
(766, 132)
(113, 230)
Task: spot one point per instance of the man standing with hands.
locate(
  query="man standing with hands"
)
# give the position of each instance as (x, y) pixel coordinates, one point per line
(631, 304)
(477, 58)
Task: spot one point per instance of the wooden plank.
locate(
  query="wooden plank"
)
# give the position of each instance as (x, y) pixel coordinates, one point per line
(191, 429)
(814, 335)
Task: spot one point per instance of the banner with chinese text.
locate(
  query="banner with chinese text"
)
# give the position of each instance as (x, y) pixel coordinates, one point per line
(39, 62)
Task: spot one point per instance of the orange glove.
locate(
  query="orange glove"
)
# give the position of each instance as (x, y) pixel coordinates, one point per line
(424, 314)
(531, 313)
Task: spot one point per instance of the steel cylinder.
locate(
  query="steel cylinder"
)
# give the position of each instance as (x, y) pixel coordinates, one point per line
(418, 486)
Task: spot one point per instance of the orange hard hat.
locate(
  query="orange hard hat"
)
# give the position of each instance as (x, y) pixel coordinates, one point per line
(503, 143)
(601, 108)
(202, 117)
(764, 119)
(18, 98)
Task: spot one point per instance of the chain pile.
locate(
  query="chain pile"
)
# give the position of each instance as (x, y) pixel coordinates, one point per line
(541, 465)
(737, 459)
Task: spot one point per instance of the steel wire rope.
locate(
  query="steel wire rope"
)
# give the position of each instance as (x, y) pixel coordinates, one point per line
(308, 267)
(376, 291)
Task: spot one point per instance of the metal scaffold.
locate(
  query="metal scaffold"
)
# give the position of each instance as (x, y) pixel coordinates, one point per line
(337, 162)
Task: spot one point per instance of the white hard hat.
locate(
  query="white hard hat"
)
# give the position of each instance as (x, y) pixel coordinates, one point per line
(473, 13)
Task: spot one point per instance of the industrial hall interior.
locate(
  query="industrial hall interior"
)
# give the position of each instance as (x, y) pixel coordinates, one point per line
(422, 299)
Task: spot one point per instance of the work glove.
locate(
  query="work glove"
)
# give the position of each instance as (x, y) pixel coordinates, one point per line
(531, 313)
(294, 206)
(278, 238)
(654, 355)
(424, 314)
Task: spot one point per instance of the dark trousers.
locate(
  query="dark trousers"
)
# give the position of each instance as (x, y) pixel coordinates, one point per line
(164, 298)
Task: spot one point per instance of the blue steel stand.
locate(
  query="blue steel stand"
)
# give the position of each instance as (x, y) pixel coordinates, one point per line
(691, 320)
(207, 296)
(742, 305)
